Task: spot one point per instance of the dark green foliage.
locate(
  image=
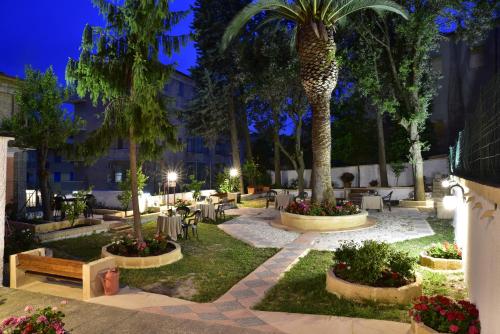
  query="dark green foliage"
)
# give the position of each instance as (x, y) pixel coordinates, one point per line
(126, 195)
(195, 186)
(19, 240)
(374, 263)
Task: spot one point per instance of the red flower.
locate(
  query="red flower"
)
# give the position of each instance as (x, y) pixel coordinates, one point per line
(395, 275)
(442, 312)
(454, 328)
(421, 307)
(473, 330)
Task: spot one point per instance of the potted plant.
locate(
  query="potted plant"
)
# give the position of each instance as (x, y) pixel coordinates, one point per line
(444, 256)
(347, 178)
(195, 186)
(251, 173)
(373, 183)
(441, 314)
(373, 271)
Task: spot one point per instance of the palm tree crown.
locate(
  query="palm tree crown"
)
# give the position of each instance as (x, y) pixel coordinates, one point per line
(321, 14)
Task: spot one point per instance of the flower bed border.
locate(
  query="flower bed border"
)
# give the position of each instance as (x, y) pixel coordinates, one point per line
(325, 223)
(359, 292)
(439, 263)
(147, 261)
(420, 328)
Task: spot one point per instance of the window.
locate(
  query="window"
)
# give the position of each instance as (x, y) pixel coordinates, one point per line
(118, 177)
(57, 177)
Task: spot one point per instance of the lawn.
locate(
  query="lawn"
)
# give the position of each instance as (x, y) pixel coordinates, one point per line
(254, 203)
(210, 267)
(302, 289)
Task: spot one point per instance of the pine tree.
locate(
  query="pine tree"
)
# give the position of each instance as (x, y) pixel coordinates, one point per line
(120, 67)
(41, 123)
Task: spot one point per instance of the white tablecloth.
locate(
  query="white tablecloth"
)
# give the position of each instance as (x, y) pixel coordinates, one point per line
(207, 210)
(171, 226)
(282, 201)
(372, 203)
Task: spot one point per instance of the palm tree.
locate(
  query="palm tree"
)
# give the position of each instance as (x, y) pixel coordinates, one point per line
(315, 23)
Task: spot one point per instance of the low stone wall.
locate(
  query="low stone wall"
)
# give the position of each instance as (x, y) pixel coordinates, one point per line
(47, 227)
(402, 295)
(145, 262)
(74, 232)
(439, 264)
(325, 223)
(419, 328)
(427, 204)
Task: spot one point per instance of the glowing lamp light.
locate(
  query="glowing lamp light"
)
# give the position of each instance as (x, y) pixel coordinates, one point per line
(450, 202)
(233, 172)
(171, 176)
(446, 183)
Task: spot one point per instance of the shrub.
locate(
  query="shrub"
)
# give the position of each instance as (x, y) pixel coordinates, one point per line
(46, 320)
(324, 209)
(128, 246)
(374, 183)
(445, 251)
(446, 315)
(74, 209)
(19, 241)
(126, 187)
(347, 177)
(226, 183)
(373, 263)
(195, 186)
(181, 202)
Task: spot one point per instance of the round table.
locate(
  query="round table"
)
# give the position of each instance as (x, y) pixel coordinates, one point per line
(169, 225)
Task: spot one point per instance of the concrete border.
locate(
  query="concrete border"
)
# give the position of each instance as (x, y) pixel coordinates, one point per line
(411, 204)
(438, 263)
(402, 295)
(420, 328)
(145, 262)
(324, 223)
(55, 225)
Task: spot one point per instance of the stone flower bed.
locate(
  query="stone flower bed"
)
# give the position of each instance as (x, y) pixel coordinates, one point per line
(305, 216)
(51, 226)
(442, 257)
(441, 314)
(150, 253)
(373, 271)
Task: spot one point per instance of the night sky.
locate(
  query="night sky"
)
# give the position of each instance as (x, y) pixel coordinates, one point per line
(48, 32)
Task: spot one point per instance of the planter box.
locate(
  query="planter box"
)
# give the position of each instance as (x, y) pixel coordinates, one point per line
(402, 295)
(145, 262)
(73, 232)
(325, 223)
(251, 190)
(429, 204)
(46, 227)
(439, 264)
(420, 328)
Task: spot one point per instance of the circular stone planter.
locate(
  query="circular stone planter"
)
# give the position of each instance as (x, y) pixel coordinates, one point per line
(145, 262)
(358, 292)
(325, 223)
(420, 328)
(438, 263)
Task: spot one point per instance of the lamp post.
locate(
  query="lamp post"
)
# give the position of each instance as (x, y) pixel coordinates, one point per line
(171, 182)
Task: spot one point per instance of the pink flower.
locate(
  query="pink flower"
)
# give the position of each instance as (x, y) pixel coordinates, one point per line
(42, 319)
(454, 328)
(28, 309)
(8, 321)
(64, 302)
(473, 330)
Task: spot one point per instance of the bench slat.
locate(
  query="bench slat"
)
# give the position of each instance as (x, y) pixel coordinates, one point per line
(49, 265)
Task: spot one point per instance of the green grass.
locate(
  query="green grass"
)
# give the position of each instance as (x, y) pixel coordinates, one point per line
(254, 203)
(302, 289)
(210, 266)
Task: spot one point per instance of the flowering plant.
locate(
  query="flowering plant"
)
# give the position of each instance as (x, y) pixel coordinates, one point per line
(445, 251)
(323, 209)
(446, 315)
(42, 321)
(182, 202)
(129, 246)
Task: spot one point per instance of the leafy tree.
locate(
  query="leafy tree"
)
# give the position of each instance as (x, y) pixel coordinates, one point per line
(398, 167)
(126, 188)
(41, 123)
(218, 74)
(195, 186)
(315, 23)
(120, 67)
(74, 209)
(251, 172)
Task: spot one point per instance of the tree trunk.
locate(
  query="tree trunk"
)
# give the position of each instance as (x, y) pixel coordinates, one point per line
(319, 72)
(43, 180)
(235, 147)
(133, 183)
(417, 161)
(246, 133)
(382, 163)
(277, 156)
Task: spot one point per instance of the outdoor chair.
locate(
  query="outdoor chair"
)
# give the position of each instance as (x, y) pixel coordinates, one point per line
(192, 221)
(302, 196)
(271, 197)
(220, 211)
(387, 200)
(90, 204)
(184, 211)
(58, 207)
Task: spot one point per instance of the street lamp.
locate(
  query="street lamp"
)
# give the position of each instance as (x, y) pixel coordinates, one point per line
(171, 182)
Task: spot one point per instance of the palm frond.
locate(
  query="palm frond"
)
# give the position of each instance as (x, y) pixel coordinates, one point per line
(347, 7)
(281, 8)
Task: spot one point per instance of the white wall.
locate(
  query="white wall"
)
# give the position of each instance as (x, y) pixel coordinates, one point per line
(479, 236)
(3, 191)
(371, 172)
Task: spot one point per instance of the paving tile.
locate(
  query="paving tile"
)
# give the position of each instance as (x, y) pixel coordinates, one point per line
(244, 293)
(249, 322)
(238, 314)
(177, 309)
(265, 274)
(212, 316)
(229, 306)
(255, 283)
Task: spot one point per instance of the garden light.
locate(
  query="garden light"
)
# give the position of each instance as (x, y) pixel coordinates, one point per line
(171, 176)
(446, 183)
(450, 202)
(233, 172)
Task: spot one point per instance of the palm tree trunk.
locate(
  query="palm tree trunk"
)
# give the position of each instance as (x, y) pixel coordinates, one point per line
(235, 147)
(43, 179)
(382, 163)
(133, 183)
(319, 72)
(246, 133)
(418, 162)
(277, 156)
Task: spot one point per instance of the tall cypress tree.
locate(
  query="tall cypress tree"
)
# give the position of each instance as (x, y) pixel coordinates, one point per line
(219, 69)
(120, 67)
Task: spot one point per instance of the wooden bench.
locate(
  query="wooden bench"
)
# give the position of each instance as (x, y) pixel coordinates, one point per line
(29, 270)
